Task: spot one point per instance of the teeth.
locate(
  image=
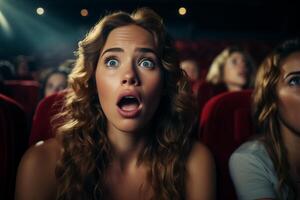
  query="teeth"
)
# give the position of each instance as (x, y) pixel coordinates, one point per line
(130, 97)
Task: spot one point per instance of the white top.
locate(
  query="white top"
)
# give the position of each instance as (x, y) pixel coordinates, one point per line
(253, 173)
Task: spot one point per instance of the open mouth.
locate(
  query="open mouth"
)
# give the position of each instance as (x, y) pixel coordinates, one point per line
(128, 103)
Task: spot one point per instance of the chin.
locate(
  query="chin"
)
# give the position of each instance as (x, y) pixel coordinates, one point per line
(130, 126)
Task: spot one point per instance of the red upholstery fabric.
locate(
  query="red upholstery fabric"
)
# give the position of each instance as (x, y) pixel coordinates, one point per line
(225, 124)
(13, 143)
(25, 92)
(46, 109)
(205, 50)
(206, 91)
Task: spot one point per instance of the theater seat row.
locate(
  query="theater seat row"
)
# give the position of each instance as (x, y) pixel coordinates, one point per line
(224, 124)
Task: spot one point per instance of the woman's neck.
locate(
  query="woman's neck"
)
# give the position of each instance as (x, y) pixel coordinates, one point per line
(233, 87)
(126, 147)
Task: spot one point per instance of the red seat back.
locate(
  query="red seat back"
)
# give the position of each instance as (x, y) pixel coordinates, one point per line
(42, 126)
(226, 123)
(25, 92)
(13, 143)
(206, 91)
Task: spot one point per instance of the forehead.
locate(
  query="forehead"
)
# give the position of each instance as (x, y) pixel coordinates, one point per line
(56, 76)
(130, 35)
(188, 63)
(236, 54)
(291, 63)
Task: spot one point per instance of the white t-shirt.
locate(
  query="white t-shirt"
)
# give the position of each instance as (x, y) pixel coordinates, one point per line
(253, 173)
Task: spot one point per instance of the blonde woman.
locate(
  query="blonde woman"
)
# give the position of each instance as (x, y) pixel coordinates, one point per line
(269, 166)
(233, 67)
(127, 122)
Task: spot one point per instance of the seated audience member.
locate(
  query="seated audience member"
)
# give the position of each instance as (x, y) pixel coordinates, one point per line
(6, 73)
(67, 65)
(54, 81)
(268, 167)
(233, 67)
(128, 119)
(231, 70)
(190, 66)
(24, 65)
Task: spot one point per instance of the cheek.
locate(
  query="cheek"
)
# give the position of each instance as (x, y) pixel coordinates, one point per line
(289, 107)
(227, 71)
(153, 89)
(104, 85)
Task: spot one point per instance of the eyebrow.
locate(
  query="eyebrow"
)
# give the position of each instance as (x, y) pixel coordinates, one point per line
(292, 73)
(112, 50)
(147, 50)
(143, 50)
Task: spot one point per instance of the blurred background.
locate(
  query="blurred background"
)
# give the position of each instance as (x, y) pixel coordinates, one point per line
(49, 30)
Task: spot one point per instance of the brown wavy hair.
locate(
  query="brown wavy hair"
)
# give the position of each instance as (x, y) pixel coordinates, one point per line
(266, 114)
(86, 148)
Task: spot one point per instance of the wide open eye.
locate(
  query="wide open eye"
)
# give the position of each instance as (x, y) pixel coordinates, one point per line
(294, 81)
(147, 63)
(112, 62)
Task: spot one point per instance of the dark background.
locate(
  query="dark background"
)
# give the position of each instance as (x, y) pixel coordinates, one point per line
(55, 34)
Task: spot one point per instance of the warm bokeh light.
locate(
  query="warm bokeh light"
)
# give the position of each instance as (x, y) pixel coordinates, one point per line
(84, 12)
(40, 11)
(182, 11)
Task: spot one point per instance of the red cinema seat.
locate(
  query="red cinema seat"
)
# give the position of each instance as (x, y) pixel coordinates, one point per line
(25, 92)
(206, 91)
(13, 143)
(226, 123)
(42, 126)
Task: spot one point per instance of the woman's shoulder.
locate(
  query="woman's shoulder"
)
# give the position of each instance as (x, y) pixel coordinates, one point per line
(200, 173)
(252, 149)
(252, 171)
(36, 173)
(252, 156)
(200, 153)
(43, 152)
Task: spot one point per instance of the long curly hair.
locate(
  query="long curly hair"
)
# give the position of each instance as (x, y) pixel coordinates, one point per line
(266, 115)
(87, 151)
(215, 73)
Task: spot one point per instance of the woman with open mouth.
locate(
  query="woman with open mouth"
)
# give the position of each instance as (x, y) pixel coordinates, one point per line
(126, 129)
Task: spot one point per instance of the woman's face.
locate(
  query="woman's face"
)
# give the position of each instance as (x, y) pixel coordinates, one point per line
(55, 83)
(129, 78)
(235, 71)
(288, 91)
(191, 68)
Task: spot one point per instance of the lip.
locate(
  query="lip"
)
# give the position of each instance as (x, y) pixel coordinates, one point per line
(133, 113)
(242, 74)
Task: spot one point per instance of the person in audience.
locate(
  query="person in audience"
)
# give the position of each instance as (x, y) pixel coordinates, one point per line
(24, 66)
(232, 70)
(233, 67)
(54, 81)
(268, 167)
(191, 68)
(7, 71)
(127, 122)
(67, 65)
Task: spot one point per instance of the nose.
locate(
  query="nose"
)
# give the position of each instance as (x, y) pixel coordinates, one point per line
(243, 66)
(130, 77)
